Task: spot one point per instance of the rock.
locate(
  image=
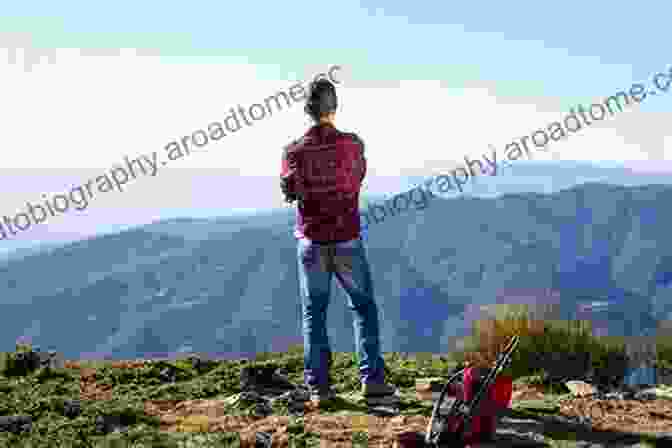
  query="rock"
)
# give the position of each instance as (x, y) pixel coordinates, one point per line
(168, 375)
(384, 411)
(581, 420)
(297, 395)
(16, 424)
(253, 376)
(580, 388)
(383, 401)
(653, 393)
(266, 379)
(232, 399)
(263, 440)
(72, 408)
(24, 363)
(296, 408)
(263, 396)
(665, 376)
(429, 389)
(615, 396)
(300, 394)
(263, 409)
(106, 424)
(202, 365)
(262, 405)
(428, 396)
(56, 359)
(100, 424)
(429, 384)
(250, 396)
(50, 359)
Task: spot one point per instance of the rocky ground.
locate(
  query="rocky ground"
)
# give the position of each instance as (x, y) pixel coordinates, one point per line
(536, 418)
(201, 401)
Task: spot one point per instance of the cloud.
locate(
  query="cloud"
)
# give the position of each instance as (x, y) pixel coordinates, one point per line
(88, 110)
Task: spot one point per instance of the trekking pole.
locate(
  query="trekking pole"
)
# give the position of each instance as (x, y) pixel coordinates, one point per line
(461, 412)
(501, 362)
(436, 424)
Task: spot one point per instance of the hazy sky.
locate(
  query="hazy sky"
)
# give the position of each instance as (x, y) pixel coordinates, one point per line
(424, 83)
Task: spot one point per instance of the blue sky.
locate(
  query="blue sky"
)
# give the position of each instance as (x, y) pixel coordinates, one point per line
(473, 73)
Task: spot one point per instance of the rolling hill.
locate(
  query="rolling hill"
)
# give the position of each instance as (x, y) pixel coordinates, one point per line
(228, 286)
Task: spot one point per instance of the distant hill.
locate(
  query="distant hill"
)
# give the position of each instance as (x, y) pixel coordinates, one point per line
(229, 285)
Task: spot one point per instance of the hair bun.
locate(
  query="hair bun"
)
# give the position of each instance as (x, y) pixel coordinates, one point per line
(322, 99)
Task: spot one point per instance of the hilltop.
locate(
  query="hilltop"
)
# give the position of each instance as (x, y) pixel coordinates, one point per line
(160, 402)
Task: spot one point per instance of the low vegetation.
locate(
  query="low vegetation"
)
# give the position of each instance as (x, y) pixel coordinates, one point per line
(548, 352)
(554, 350)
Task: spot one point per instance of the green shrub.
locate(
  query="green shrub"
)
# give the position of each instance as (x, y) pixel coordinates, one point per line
(559, 349)
(664, 351)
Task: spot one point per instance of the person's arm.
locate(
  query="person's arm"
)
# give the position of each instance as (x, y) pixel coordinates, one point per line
(361, 144)
(362, 159)
(287, 183)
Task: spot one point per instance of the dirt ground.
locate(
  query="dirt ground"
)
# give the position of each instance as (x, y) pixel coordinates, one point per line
(622, 415)
(337, 431)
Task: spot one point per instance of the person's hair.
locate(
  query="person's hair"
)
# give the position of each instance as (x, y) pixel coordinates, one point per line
(322, 99)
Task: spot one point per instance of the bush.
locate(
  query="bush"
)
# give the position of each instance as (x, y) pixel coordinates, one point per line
(664, 352)
(21, 363)
(562, 350)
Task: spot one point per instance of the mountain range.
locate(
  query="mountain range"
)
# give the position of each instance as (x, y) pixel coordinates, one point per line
(228, 286)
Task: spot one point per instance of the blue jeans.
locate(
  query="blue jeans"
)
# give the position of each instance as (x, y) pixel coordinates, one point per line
(317, 263)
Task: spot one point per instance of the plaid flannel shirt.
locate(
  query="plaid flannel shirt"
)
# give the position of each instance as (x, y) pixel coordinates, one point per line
(323, 172)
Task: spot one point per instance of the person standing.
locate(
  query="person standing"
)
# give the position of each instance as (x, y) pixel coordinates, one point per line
(322, 172)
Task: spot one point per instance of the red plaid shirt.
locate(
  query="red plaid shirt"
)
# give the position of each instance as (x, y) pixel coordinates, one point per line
(323, 171)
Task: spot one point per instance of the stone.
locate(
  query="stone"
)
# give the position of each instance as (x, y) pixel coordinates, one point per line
(25, 363)
(106, 424)
(202, 365)
(296, 408)
(16, 424)
(384, 411)
(266, 379)
(250, 395)
(580, 388)
(263, 409)
(253, 376)
(429, 384)
(168, 375)
(429, 389)
(293, 398)
(654, 393)
(614, 396)
(263, 440)
(50, 360)
(56, 359)
(72, 408)
(383, 401)
(231, 399)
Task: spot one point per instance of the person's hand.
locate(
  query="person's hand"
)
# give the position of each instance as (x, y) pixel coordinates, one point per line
(287, 188)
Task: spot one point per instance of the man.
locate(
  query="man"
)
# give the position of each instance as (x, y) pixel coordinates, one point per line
(323, 172)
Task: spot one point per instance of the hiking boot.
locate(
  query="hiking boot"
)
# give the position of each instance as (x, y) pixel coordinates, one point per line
(378, 390)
